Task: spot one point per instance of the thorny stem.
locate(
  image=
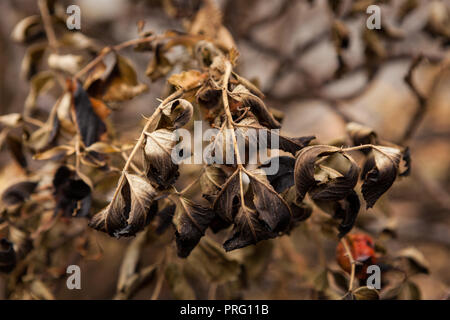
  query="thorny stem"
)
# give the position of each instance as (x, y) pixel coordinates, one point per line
(231, 126)
(138, 144)
(352, 263)
(226, 106)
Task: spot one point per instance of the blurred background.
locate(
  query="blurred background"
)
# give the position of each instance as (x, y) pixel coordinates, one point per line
(289, 49)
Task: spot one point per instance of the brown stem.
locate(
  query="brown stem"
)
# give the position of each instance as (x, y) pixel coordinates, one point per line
(352, 263)
(105, 51)
(138, 144)
(212, 291)
(422, 101)
(77, 152)
(360, 147)
(132, 165)
(33, 121)
(49, 31)
(160, 277)
(226, 106)
(133, 42)
(93, 63)
(420, 112)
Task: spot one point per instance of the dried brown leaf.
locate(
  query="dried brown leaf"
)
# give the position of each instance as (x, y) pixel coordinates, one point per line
(191, 221)
(159, 165)
(381, 177)
(18, 192)
(130, 211)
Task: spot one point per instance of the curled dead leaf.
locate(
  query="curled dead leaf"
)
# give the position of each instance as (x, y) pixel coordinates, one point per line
(159, 166)
(47, 134)
(11, 120)
(68, 62)
(284, 177)
(322, 182)
(116, 82)
(256, 105)
(383, 174)
(176, 114)
(271, 207)
(28, 29)
(187, 80)
(159, 66)
(248, 229)
(360, 134)
(365, 293)
(130, 211)
(191, 221)
(18, 192)
(40, 83)
(211, 181)
(257, 211)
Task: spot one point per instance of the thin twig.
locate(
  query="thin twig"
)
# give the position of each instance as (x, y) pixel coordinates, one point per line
(140, 141)
(49, 31)
(161, 276)
(132, 165)
(422, 102)
(226, 78)
(420, 112)
(51, 36)
(352, 263)
(190, 185)
(77, 152)
(105, 51)
(33, 121)
(212, 291)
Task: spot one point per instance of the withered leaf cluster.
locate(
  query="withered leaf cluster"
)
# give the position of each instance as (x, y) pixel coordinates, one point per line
(255, 205)
(242, 203)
